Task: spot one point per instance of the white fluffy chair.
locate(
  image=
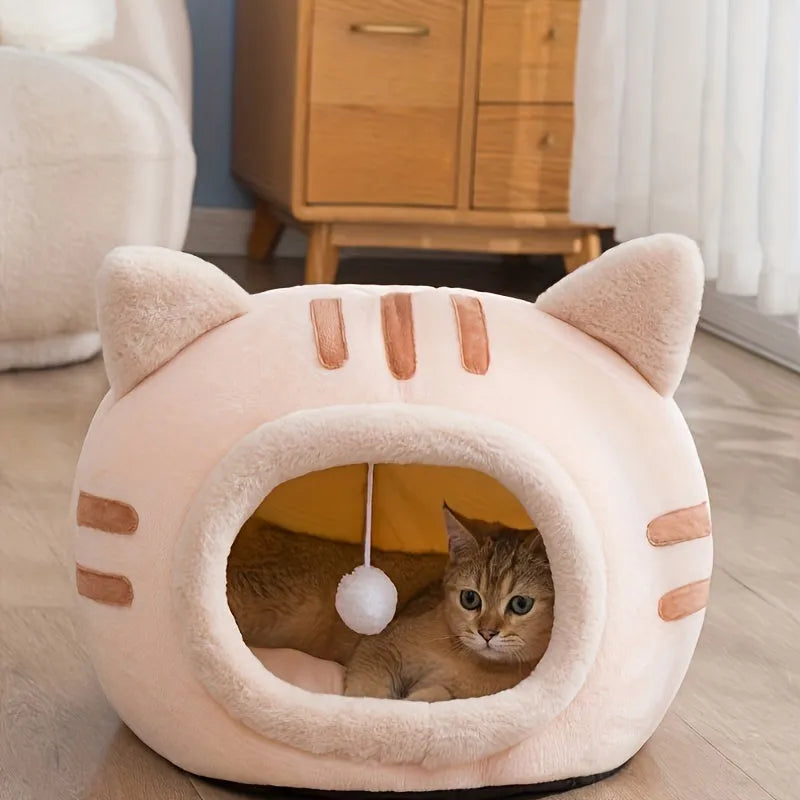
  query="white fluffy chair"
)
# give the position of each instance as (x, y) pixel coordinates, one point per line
(95, 151)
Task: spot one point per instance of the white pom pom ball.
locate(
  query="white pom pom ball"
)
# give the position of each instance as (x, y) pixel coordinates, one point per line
(366, 600)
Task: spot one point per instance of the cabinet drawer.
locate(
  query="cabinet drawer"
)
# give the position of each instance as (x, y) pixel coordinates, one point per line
(384, 101)
(522, 157)
(528, 50)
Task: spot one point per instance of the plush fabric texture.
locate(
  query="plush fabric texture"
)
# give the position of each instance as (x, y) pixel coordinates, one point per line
(303, 670)
(197, 445)
(95, 152)
(67, 26)
(357, 729)
(152, 303)
(642, 299)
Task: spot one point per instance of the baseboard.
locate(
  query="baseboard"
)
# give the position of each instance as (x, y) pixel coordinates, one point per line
(738, 320)
(224, 232)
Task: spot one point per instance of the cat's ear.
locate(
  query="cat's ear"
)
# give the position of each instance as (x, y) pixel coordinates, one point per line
(153, 302)
(534, 543)
(462, 542)
(642, 299)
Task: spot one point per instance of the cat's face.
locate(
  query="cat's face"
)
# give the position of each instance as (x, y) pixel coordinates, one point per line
(498, 591)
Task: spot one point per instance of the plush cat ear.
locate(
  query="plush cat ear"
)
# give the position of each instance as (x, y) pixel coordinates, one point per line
(462, 542)
(642, 299)
(153, 302)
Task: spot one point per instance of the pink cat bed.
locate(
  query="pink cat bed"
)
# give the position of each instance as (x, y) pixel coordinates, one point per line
(218, 397)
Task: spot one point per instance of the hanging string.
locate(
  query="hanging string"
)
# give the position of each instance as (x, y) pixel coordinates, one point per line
(368, 520)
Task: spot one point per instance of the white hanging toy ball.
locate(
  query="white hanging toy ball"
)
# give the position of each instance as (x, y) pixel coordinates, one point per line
(366, 599)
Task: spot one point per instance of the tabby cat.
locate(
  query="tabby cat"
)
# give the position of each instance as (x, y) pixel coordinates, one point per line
(468, 624)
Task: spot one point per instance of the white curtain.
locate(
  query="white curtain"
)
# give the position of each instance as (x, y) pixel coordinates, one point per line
(686, 120)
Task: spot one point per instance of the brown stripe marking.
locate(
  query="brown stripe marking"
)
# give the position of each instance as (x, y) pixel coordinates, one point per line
(111, 516)
(398, 335)
(679, 526)
(103, 587)
(684, 600)
(328, 324)
(472, 337)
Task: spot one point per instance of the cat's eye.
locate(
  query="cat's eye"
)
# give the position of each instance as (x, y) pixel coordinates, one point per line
(520, 604)
(470, 600)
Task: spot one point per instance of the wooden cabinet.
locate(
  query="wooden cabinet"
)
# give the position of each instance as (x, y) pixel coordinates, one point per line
(528, 50)
(522, 157)
(384, 104)
(437, 124)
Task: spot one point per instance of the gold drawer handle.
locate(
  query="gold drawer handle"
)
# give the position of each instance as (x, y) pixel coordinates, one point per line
(390, 30)
(548, 141)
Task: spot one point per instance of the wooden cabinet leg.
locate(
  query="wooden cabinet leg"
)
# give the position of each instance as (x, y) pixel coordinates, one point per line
(590, 249)
(265, 232)
(592, 245)
(322, 258)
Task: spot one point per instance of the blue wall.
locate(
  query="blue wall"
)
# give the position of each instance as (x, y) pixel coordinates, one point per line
(213, 43)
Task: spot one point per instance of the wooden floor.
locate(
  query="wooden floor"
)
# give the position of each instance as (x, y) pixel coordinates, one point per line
(734, 731)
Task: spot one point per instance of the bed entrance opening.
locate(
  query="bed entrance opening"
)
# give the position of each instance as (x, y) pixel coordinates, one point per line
(428, 523)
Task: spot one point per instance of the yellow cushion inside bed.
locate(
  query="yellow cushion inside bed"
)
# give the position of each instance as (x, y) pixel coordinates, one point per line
(407, 503)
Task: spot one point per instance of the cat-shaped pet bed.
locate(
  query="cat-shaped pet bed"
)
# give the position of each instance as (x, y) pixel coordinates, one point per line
(560, 411)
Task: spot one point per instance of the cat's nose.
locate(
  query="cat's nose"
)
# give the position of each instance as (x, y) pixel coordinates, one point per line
(488, 634)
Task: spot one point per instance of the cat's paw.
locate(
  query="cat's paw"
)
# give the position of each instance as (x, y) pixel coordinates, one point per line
(429, 694)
